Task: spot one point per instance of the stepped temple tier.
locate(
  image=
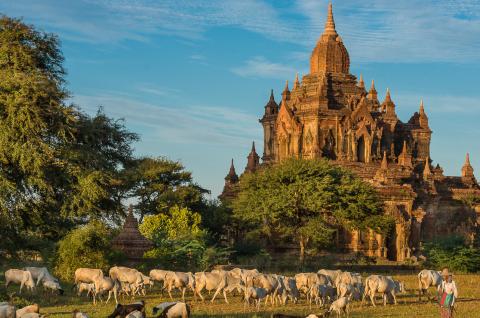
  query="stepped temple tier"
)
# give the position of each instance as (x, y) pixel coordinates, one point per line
(331, 114)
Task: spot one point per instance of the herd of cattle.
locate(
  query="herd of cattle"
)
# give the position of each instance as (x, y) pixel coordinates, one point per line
(334, 287)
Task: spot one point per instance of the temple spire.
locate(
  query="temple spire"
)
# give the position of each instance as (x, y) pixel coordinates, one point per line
(297, 82)
(272, 98)
(372, 94)
(253, 160)
(422, 109)
(330, 24)
(467, 169)
(423, 119)
(361, 83)
(388, 98)
(384, 165)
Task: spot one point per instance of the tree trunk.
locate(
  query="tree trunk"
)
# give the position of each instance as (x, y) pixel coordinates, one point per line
(303, 244)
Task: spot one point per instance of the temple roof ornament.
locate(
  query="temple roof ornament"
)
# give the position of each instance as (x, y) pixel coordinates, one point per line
(427, 173)
(253, 160)
(232, 176)
(405, 158)
(297, 82)
(361, 83)
(330, 55)
(372, 94)
(423, 118)
(467, 169)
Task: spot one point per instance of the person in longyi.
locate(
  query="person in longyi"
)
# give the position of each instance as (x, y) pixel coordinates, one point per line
(448, 293)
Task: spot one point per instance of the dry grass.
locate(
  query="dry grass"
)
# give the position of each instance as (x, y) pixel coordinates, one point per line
(408, 306)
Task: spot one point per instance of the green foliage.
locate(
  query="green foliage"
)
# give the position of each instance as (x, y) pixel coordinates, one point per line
(179, 240)
(159, 184)
(58, 166)
(85, 246)
(454, 253)
(306, 200)
(181, 223)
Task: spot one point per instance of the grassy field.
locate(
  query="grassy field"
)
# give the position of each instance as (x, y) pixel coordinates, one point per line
(408, 306)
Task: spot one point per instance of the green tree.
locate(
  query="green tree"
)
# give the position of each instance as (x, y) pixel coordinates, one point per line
(58, 166)
(306, 201)
(160, 184)
(85, 246)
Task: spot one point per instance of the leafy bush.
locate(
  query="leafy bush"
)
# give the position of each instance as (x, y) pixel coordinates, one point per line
(180, 242)
(454, 253)
(85, 246)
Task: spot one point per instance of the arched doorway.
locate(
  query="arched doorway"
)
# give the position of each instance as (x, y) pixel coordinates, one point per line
(361, 149)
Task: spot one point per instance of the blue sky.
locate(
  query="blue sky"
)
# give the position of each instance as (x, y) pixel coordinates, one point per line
(192, 76)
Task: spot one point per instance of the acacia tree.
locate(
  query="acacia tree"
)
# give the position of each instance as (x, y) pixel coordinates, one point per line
(305, 201)
(58, 166)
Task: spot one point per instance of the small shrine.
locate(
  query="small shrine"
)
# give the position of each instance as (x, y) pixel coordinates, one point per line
(130, 241)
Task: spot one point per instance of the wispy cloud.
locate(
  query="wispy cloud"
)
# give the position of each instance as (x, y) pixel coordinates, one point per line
(158, 91)
(194, 124)
(377, 30)
(261, 67)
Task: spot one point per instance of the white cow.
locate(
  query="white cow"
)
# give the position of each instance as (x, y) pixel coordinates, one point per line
(87, 275)
(104, 285)
(331, 274)
(256, 294)
(172, 310)
(181, 281)
(40, 274)
(384, 285)
(28, 309)
(428, 278)
(211, 281)
(18, 276)
(52, 285)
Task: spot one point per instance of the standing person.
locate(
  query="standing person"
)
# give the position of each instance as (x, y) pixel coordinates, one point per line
(447, 294)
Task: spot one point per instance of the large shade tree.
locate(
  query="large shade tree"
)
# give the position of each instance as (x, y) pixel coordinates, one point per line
(58, 166)
(306, 201)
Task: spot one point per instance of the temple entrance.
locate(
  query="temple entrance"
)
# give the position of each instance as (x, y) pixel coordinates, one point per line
(391, 243)
(283, 148)
(361, 149)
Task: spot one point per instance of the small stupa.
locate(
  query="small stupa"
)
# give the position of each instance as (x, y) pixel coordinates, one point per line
(130, 241)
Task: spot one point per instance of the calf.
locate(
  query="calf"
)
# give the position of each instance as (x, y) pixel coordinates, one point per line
(338, 306)
(78, 314)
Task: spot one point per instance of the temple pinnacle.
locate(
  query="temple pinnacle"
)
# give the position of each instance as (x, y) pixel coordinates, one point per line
(361, 83)
(384, 165)
(387, 97)
(330, 24)
(372, 88)
(253, 147)
(422, 110)
(467, 160)
(297, 82)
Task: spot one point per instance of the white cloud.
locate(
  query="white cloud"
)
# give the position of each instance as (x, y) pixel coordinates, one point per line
(261, 67)
(377, 30)
(173, 124)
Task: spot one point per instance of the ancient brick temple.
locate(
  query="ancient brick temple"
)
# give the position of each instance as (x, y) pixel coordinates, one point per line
(330, 114)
